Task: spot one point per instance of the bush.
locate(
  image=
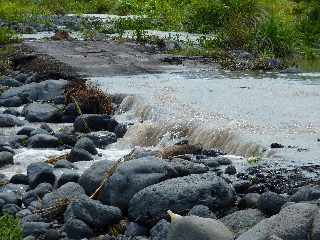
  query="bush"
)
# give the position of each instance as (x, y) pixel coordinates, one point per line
(10, 228)
(7, 36)
(88, 98)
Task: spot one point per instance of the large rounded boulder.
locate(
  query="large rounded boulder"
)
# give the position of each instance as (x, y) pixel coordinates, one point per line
(179, 195)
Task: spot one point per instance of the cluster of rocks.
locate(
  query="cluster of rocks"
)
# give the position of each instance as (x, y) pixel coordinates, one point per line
(131, 199)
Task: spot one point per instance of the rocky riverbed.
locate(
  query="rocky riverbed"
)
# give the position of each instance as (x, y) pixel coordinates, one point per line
(67, 175)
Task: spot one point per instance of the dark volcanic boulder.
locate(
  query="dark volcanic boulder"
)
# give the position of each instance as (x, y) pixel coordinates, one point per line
(270, 203)
(77, 229)
(79, 155)
(94, 122)
(43, 141)
(93, 213)
(6, 158)
(306, 193)
(7, 120)
(41, 112)
(196, 228)
(68, 177)
(26, 131)
(134, 175)
(44, 91)
(68, 191)
(37, 193)
(292, 223)
(40, 173)
(102, 139)
(180, 195)
(241, 221)
(86, 144)
(91, 179)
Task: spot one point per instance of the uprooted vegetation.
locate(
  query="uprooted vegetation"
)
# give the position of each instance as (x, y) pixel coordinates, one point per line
(88, 98)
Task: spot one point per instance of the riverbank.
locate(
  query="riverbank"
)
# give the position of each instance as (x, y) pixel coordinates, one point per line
(67, 174)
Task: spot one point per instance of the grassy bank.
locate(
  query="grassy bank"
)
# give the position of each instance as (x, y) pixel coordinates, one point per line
(266, 28)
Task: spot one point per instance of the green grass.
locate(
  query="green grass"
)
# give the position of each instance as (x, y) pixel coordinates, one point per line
(275, 28)
(10, 228)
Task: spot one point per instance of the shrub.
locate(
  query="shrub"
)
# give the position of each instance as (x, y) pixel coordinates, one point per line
(89, 98)
(10, 228)
(7, 36)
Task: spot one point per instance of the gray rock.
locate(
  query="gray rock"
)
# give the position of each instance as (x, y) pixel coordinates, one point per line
(7, 120)
(231, 170)
(10, 198)
(41, 112)
(133, 176)
(52, 234)
(39, 131)
(37, 193)
(86, 144)
(91, 179)
(292, 223)
(43, 141)
(94, 122)
(68, 177)
(241, 221)
(93, 213)
(64, 164)
(34, 228)
(202, 211)
(40, 173)
(195, 228)
(67, 138)
(180, 194)
(270, 203)
(134, 229)
(6, 158)
(10, 209)
(69, 191)
(160, 230)
(315, 232)
(306, 193)
(77, 229)
(9, 82)
(242, 186)
(79, 155)
(102, 139)
(43, 91)
(25, 131)
(12, 111)
(19, 179)
(250, 200)
(45, 126)
(23, 213)
(120, 130)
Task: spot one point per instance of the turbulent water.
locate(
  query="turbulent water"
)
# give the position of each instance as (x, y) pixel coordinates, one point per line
(239, 113)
